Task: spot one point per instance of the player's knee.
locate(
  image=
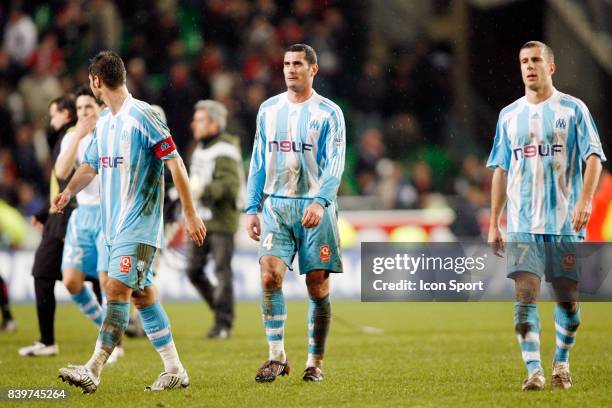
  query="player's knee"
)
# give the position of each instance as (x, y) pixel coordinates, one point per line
(271, 280)
(72, 284)
(317, 284)
(526, 295)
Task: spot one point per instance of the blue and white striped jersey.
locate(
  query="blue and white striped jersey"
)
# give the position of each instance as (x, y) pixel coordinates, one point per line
(542, 147)
(128, 150)
(298, 151)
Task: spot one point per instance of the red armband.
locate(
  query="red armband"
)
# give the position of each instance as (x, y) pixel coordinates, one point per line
(164, 147)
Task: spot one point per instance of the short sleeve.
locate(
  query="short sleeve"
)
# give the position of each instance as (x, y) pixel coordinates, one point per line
(157, 136)
(500, 153)
(91, 153)
(587, 135)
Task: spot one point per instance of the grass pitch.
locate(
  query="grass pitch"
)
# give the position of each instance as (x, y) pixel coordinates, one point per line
(444, 354)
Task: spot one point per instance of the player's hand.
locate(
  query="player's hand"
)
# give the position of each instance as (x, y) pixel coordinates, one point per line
(61, 200)
(581, 215)
(195, 228)
(496, 241)
(36, 224)
(253, 227)
(312, 215)
(85, 125)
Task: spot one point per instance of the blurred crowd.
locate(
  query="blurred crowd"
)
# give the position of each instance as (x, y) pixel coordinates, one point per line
(396, 97)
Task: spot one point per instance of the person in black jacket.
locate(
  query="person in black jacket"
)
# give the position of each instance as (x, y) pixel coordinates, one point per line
(47, 266)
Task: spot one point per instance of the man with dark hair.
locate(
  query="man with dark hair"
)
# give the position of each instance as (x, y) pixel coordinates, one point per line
(47, 266)
(541, 143)
(217, 184)
(129, 148)
(84, 251)
(109, 67)
(296, 167)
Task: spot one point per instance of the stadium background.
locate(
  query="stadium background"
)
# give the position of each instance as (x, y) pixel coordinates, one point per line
(420, 83)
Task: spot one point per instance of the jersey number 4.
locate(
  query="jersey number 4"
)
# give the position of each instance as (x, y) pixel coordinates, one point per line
(267, 242)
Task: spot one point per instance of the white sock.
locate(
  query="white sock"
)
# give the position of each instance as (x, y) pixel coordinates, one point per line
(277, 351)
(314, 361)
(169, 355)
(97, 361)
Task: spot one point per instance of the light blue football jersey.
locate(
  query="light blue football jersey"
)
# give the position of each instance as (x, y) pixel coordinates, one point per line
(128, 150)
(542, 146)
(298, 151)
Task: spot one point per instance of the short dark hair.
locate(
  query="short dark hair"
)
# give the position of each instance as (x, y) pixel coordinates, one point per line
(109, 66)
(309, 53)
(65, 102)
(84, 91)
(547, 50)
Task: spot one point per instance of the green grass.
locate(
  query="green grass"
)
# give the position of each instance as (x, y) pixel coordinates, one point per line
(441, 354)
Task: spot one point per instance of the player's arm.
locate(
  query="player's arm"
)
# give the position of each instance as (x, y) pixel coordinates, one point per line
(582, 211)
(589, 146)
(67, 157)
(331, 172)
(81, 178)
(499, 160)
(193, 222)
(256, 180)
(498, 202)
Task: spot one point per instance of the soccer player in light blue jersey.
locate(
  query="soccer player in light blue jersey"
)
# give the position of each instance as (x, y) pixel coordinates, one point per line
(541, 143)
(84, 251)
(129, 148)
(296, 167)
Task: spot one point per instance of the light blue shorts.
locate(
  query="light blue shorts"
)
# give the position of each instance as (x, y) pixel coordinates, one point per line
(548, 256)
(283, 235)
(84, 247)
(131, 264)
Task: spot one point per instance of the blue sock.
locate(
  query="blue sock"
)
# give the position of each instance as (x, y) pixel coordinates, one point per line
(527, 327)
(89, 305)
(274, 314)
(566, 325)
(156, 324)
(319, 316)
(114, 325)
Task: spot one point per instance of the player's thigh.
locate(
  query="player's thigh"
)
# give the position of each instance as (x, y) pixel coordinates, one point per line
(525, 253)
(131, 264)
(102, 252)
(319, 247)
(277, 236)
(563, 259)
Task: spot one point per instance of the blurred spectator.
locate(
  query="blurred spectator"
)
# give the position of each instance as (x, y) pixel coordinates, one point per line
(20, 35)
(6, 119)
(30, 202)
(105, 26)
(136, 79)
(38, 88)
(177, 99)
(25, 156)
(48, 54)
(371, 151)
(393, 191)
(370, 91)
